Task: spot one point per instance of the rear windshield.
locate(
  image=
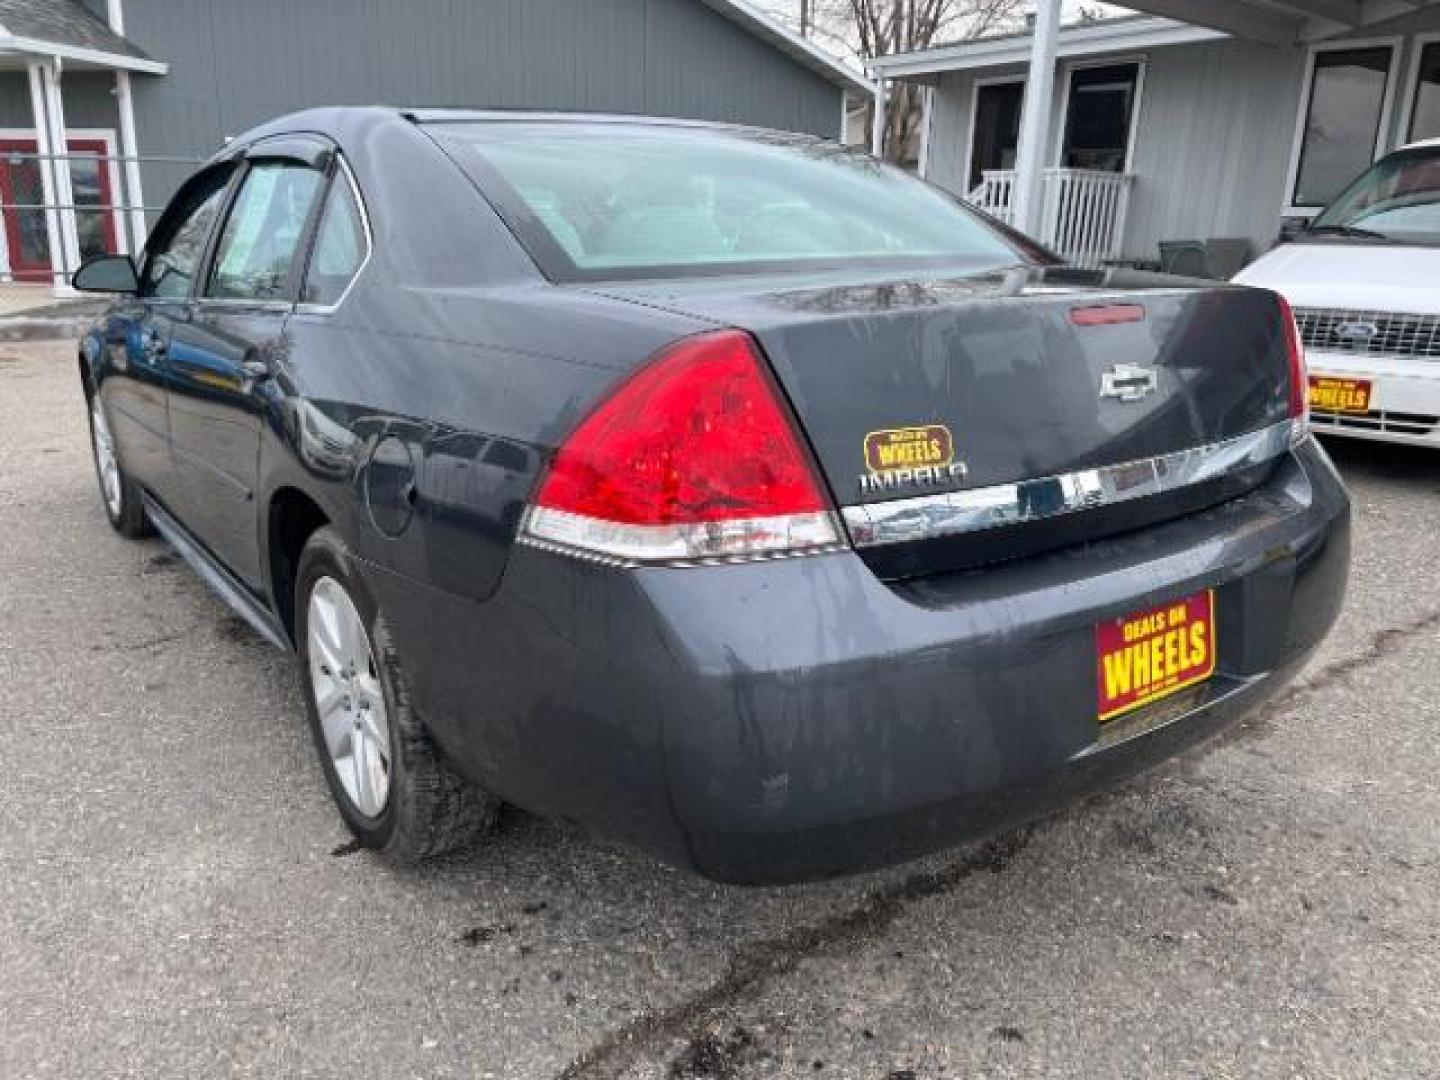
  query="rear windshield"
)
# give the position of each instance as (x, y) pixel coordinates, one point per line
(595, 201)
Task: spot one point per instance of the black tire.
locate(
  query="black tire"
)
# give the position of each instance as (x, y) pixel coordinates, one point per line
(128, 517)
(430, 810)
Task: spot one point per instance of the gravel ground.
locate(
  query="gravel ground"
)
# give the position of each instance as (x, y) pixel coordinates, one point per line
(178, 899)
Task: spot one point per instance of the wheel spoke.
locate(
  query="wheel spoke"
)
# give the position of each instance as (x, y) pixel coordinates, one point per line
(329, 695)
(364, 791)
(349, 697)
(339, 734)
(324, 651)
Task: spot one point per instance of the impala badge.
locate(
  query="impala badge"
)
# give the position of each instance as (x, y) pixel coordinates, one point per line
(1126, 382)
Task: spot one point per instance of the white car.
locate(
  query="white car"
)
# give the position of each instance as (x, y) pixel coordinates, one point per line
(1364, 280)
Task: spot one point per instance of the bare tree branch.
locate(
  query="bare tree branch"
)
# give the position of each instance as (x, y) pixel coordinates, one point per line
(869, 28)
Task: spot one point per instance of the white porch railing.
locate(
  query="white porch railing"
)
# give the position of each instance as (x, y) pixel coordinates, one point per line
(1082, 217)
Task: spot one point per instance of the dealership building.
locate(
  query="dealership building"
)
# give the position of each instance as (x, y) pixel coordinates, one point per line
(106, 105)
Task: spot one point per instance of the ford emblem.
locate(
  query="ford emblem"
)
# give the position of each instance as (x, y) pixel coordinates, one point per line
(1358, 334)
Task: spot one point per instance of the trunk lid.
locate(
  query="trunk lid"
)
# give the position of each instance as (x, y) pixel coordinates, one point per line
(1003, 379)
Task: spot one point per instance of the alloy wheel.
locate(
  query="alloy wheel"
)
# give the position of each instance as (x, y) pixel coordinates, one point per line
(349, 698)
(106, 464)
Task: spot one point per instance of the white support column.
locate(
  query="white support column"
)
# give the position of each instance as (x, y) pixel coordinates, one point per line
(1035, 119)
(64, 190)
(41, 112)
(129, 143)
(927, 117)
(877, 124)
(5, 250)
(130, 151)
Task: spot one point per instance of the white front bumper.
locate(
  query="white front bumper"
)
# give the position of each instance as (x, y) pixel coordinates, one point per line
(1404, 398)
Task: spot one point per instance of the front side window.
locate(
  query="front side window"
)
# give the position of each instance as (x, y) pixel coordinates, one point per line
(595, 201)
(1342, 121)
(174, 253)
(1425, 114)
(262, 235)
(340, 245)
(1397, 200)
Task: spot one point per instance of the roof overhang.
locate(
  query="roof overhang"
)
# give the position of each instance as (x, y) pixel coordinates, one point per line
(805, 53)
(22, 50)
(1169, 22)
(1086, 39)
(1281, 22)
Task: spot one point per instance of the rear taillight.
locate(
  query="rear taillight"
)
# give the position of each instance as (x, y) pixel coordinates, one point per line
(693, 458)
(1299, 376)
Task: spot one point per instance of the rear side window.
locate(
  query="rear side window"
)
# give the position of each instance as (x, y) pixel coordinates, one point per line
(622, 200)
(262, 236)
(340, 245)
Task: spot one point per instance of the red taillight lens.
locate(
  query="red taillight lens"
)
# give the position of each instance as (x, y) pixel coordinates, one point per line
(1299, 376)
(693, 457)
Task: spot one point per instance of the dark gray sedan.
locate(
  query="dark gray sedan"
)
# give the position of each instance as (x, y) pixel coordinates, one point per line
(725, 491)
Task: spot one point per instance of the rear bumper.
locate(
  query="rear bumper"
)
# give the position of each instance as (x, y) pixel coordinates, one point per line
(796, 719)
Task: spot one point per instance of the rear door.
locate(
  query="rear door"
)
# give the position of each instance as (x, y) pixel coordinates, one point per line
(222, 356)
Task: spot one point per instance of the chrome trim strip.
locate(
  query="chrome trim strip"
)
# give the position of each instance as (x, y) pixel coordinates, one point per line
(957, 512)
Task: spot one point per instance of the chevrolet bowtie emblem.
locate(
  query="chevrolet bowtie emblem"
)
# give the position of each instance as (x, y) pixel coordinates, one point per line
(1126, 382)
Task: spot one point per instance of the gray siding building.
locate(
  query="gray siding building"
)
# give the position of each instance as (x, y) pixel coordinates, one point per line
(1159, 132)
(174, 78)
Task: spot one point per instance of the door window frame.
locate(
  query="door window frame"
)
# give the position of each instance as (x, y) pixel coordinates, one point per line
(1420, 42)
(164, 227)
(283, 149)
(1141, 63)
(1307, 92)
(975, 87)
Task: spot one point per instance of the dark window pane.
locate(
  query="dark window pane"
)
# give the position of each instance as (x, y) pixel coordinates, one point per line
(1097, 130)
(1425, 121)
(997, 128)
(1342, 124)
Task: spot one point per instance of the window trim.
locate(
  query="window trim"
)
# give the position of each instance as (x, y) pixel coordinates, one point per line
(1141, 62)
(1395, 44)
(975, 87)
(1412, 86)
(340, 168)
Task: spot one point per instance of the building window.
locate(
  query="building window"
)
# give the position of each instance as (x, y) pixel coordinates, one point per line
(1098, 117)
(997, 128)
(1342, 121)
(1425, 115)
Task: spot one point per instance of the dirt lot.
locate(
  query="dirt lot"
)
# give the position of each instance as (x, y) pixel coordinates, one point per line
(178, 899)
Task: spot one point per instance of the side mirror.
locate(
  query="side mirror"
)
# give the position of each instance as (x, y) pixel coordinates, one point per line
(107, 274)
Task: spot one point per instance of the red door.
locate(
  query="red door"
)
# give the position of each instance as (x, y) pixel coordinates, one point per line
(20, 185)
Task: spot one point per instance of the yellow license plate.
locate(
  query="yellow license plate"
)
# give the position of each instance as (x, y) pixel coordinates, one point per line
(1339, 395)
(1150, 655)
